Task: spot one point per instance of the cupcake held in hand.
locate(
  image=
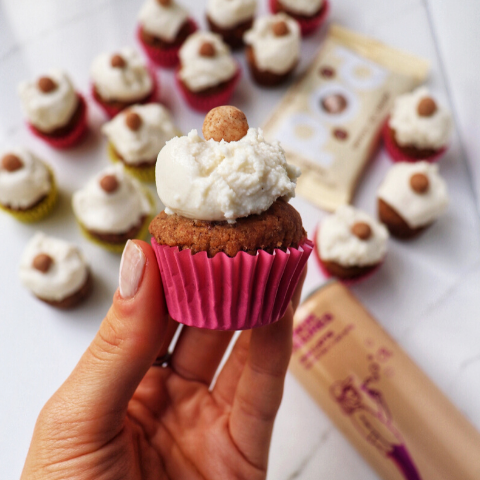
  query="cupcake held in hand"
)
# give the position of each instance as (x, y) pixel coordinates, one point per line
(229, 245)
(55, 271)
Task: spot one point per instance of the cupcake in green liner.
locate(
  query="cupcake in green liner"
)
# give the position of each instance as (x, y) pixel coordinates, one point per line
(28, 189)
(136, 135)
(113, 208)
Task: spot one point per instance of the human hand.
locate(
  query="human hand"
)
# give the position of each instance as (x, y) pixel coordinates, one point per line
(118, 417)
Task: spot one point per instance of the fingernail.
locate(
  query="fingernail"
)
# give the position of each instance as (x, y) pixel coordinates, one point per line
(131, 270)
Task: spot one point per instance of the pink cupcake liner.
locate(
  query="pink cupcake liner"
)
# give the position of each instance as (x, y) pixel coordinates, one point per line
(398, 156)
(73, 137)
(309, 26)
(223, 293)
(112, 112)
(206, 103)
(167, 57)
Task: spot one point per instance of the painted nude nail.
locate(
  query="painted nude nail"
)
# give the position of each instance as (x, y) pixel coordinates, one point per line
(132, 267)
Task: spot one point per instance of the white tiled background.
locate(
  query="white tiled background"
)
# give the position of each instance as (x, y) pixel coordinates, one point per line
(425, 295)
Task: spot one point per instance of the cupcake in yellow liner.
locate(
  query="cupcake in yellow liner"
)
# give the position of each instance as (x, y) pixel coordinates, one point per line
(28, 189)
(136, 136)
(113, 208)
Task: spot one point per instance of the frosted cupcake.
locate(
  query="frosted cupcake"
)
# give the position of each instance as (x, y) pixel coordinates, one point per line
(55, 271)
(163, 27)
(231, 19)
(229, 245)
(208, 72)
(113, 208)
(411, 198)
(419, 128)
(28, 190)
(350, 244)
(273, 49)
(120, 80)
(55, 112)
(136, 136)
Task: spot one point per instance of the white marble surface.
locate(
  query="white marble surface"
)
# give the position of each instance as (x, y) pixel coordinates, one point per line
(425, 295)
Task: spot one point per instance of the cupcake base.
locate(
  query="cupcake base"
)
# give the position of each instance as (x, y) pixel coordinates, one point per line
(144, 172)
(395, 223)
(231, 36)
(266, 78)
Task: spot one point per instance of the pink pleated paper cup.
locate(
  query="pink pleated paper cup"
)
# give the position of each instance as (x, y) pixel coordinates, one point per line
(73, 137)
(397, 155)
(310, 25)
(224, 293)
(164, 57)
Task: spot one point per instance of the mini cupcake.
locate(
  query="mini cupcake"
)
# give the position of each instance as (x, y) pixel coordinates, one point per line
(113, 208)
(350, 244)
(28, 190)
(163, 27)
(418, 128)
(231, 19)
(411, 198)
(55, 271)
(55, 112)
(137, 135)
(208, 72)
(230, 247)
(273, 49)
(310, 14)
(121, 80)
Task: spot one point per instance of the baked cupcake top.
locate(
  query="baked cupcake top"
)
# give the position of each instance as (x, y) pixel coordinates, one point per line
(24, 179)
(162, 18)
(50, 101)
(229, 13)
(352, 238)
(111, 202)
(275, 40)
(52, 268)
(416, 192)
(231, 174)
(140, 132)
(121, 76)
(303, 7)
(206, 61)
(419, 121)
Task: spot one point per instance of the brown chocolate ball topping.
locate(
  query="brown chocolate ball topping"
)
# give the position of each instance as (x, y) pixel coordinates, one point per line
(109, 183)
(165, 3)
(133, 121)
(207, 49)
(427, 107)
(225, 123)
(42, 262)
(11, 163)
(361, 230)
(46, 84)
(419, 183)
(280, 29)
(117, 61)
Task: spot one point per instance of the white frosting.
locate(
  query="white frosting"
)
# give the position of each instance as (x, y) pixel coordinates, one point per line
(24, 187)
(417, 210)
(338, 244)
(199, 73)
(411, 129)
(229, 13)
(67, 274)
(273, 53)
(128, 84)
(162, 22)
(217, 181)
(303, 7)
(52, 110)
(115, 212)
(144, 144)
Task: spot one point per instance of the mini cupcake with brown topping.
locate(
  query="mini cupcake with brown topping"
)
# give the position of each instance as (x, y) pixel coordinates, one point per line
(411, 198)
(136, 136)
(120, 80)
(55, 271)
(229, 245)
(163, 27)
(55, 112)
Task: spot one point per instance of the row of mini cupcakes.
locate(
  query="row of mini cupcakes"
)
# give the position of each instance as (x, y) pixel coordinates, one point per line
(351, 245)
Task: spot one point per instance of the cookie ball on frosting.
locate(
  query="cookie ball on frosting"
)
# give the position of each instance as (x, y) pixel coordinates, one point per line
(225, 123)
(411, 197)
(55, 271)
(305, 8)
